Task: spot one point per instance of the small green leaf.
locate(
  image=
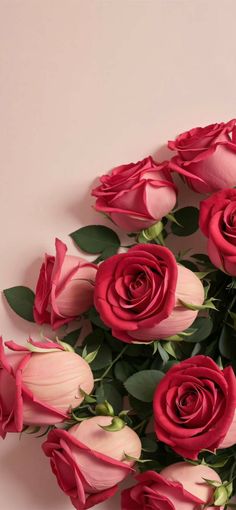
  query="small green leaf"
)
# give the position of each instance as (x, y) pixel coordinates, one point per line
(163, 353)
(188, 218)
(108, 391)
(94, 317)
(142, 385)
(21, 300)
(203, 327)
(95, 238)
(90, 357)
(208, 304)
(72, 337)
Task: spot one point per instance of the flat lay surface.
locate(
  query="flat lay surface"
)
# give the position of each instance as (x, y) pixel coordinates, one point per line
(85, 86)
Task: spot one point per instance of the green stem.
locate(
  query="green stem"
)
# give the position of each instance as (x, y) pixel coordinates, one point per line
(113, 362)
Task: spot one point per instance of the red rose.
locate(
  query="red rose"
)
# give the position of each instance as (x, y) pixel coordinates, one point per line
(206, 157)
(218, 223)
(65, 288)
(137, 294)
(136, 195)
(180, 486)
(194, 406)
(88, 461)
(34, 386)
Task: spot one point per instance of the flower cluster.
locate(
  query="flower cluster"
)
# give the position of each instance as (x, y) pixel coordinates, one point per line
(136, 375)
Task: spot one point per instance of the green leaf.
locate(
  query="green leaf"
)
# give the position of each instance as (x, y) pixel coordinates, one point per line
(72, 337)
(142, 409)
(122, 370)
(94, 317)
(90, 357)
(204, 326)
(208, 304)
(149, 445)
(227, 343)
(142, 385)
(96, 239)
(108, 391)
(188, 218)
(21, 300)
(189, 264)
(163, 352)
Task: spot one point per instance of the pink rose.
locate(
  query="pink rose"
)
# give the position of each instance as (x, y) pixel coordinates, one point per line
(89, 461)
(38, 388)
(136, 195)
(137, 294)
(206, 157)
(218, 223)
(194, 406)
(180, 486)
(65, 288)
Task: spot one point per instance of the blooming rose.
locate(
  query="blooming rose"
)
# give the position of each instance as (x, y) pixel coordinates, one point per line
(38, 388)
(180, 486)
(136, 195)
(206, 157)
(137, 294)
(64, 289)
(89, 461)
(218, 223)
(194, 406)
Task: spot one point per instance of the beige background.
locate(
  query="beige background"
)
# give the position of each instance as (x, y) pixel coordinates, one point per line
(86, 85)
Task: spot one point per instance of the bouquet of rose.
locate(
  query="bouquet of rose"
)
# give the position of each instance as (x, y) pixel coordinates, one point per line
(136, 372)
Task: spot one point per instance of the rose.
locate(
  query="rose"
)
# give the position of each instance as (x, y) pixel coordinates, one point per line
(136, 195)
(64, 289)
(180, 486)
(39, 387)
(138, 294)
(206, 157)
(218, 224)
(194, 406)
(88, 461)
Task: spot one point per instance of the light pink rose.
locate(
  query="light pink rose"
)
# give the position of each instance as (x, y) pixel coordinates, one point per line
(138, 294)
(65, 288)
(39, 388)
(206, 157)
(180, 486)
(89, 461)
(136, 195)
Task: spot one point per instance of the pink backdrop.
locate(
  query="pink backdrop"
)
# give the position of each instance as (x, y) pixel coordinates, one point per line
(86, 85)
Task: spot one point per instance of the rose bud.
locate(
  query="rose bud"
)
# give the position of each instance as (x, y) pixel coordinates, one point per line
(40, 387)
(206, 157)
(138, 294)
(180, 486)
(89, 461)
(65, 288)
(194, 406)
(136, 195)
(218, 224)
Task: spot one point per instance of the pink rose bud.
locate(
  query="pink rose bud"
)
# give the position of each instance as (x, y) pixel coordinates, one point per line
(89, 461)
(218, 224)
(194, 406)
(206, 157)
(65, 288)
(136, 195)
(39, 388)
(180, 486)
(139, 293)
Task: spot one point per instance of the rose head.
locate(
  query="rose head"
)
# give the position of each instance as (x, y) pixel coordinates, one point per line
(39, 388)
(218, 224)
(194, 406)
(180, 486)
(136, 195)
(89, 461)
(137, 294)
(65, 288)
(206, 157)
